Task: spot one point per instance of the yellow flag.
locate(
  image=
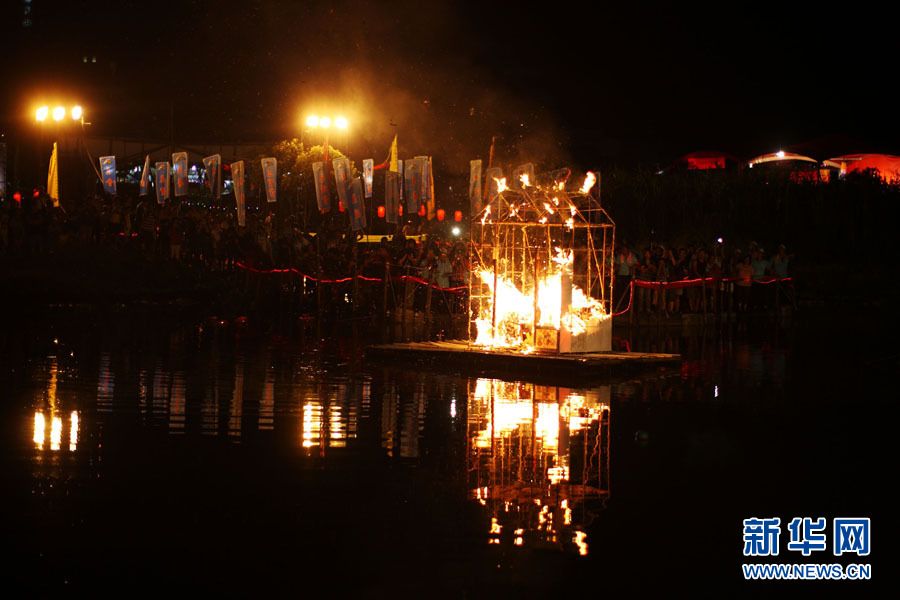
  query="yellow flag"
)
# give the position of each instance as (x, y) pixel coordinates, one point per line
(394, 168)
(53, 178)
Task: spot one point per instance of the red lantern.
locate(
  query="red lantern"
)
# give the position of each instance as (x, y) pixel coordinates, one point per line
(341, 206)
(441, 213)
(17, 197)
(421, 210)
(401, 210)
(35, 193)
(380, 212)
(457, 216)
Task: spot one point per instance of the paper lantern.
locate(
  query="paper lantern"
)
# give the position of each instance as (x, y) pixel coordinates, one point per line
(341, 206)
(441, 213)
(421, 210)
(401, 209)
(380, 212)
(457, 216)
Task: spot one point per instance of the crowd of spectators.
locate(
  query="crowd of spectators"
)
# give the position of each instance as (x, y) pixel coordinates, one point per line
(711, 276)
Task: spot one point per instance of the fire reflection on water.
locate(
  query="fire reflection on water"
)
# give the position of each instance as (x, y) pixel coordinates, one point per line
(538, 460)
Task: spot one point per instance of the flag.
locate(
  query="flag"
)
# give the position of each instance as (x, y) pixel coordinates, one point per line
(237, 177)
(357, 205)
(53, 177)
(145, 177)
(426, 187)
(392, 196)
(322, 197)
(270, 177)
(162, 182)
(392, 157)
(342, 179)
(108, 173)
(474, 187)
(179, 172)
(213, 166)
(400, 170)
(368, 175)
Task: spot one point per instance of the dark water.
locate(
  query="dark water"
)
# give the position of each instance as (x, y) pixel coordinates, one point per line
(149, 455)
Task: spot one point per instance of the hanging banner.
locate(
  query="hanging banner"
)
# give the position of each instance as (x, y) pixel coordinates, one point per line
(162, 182)
(492, 177)
(392, 196)
(270, 177)
(413, 171)
(474, 187)
(323, 200)
(237, 176)
(401, 172)
(357, 205)
(368, 175)
(108, 174)
(179, 173)
(428, 186)
(213, 166)
(342, 179)
(145, 177)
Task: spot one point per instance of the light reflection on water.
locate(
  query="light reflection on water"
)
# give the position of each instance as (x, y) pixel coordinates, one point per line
(538, 460)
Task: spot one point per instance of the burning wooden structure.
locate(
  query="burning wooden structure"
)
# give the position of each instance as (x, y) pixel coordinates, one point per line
(541, 278)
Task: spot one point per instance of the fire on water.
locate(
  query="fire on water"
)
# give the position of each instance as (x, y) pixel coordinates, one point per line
(515, 308)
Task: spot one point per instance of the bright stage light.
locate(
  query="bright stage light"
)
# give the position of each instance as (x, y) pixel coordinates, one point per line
(325, 122)
(341, 123)
(41, 113)
(312, 121)
(59, 113)
(77, 112)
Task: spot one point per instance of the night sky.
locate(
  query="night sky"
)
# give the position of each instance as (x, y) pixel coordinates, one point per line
(610, 82)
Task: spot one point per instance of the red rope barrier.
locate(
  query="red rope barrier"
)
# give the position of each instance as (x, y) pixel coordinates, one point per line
(685, 283)
(294, 271)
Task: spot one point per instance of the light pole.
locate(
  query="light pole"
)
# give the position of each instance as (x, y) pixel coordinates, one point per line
(61, 116)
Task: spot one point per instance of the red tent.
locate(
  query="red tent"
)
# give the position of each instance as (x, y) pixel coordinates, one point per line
(885, 165)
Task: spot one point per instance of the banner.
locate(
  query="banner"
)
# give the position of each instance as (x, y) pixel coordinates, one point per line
(474, 187)
(413, 172)
(108, 174)
(401, 172)
(53, 177)
(322, 198)
(342, 179)
(428, 187)
(162, 182)
(179, 172)
(237, 176)
(368, 175)
(270, 177)
(357, 205)
(145, 177)
(213, 166)
(491, 176)
(392, 196)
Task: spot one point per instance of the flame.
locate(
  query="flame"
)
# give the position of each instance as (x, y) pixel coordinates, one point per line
(487, 213)
(40, 429)
(548, 208)
(526, 181)
(560, 185)
(570, 223)
(589, 180)
(515, 307)
(501, 184)
(555, 201)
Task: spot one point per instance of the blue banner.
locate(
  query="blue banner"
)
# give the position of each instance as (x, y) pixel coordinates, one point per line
(391, 196)
(108, 173)
(145, 177)
(357, 205)
(180, 173)
(162, 182)
(342, 179)
(213, 166)
(413, 170)
(270, 177)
